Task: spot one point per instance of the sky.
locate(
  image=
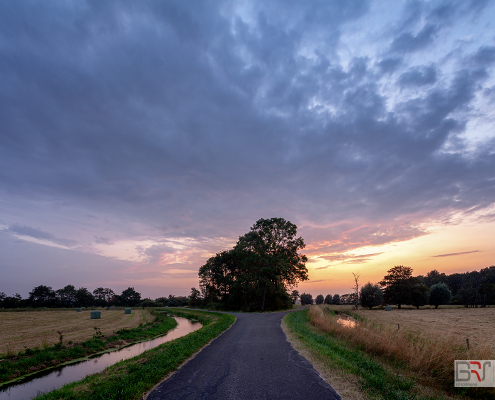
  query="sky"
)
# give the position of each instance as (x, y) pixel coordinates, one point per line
(138, 139)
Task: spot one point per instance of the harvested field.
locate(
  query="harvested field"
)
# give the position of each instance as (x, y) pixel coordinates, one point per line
(453, 324)
(32, 329)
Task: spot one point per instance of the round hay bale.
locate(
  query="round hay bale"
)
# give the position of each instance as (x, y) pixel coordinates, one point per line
(127, 311)
(95, 314)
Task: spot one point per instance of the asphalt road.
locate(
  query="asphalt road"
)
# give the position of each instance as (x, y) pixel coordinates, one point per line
(251, 360)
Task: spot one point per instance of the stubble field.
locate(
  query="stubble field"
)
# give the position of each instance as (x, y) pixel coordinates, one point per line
(30, 329)
(452, 324)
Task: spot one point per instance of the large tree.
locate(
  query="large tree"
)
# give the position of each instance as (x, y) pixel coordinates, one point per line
(257, 273)
(398, 285)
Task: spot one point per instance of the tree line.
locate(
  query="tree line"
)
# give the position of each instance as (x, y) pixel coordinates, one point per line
(400, 287)
(69, 296)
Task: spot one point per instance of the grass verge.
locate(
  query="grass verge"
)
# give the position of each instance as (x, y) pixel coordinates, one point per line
(375, 380)
(131, 379)
(430, 358)
(30, 361)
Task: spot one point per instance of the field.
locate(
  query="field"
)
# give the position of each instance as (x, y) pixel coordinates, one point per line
(454, 324)
(32, 329)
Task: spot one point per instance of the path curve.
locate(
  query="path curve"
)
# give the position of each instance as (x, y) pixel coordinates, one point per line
(251, 360)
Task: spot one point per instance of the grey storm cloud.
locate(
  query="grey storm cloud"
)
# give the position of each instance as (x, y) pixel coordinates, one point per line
(197, 116)
(418, 76)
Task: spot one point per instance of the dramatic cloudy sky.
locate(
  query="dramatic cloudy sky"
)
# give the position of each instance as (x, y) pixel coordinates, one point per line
(139, 138)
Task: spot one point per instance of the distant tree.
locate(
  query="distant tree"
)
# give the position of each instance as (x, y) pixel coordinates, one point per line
(336, 299)
(84, 298)
(194, 297)
(348, 298)
(319, 299)
(440, 294)
(294, 296)
(306, 298)
(370, 295)
(130, 297)
(419, 295)
(398, 285)
(328, 299)
(42, 296)
(103, 296)
(14, 301)
(67, 296)
(2, 297)
(148, 303)
(434, 277)
(455, 282)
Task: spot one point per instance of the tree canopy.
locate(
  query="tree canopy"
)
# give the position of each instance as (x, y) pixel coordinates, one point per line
(370, 295)
(398, 285)
(259, 271)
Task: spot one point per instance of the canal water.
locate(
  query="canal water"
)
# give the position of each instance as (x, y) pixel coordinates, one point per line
(56, 378)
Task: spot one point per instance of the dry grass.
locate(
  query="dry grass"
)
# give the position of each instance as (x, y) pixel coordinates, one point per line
(454, 324)
(32, 329)
(422, 352)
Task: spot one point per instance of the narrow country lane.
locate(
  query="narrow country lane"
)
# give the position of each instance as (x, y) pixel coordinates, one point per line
(252, 360)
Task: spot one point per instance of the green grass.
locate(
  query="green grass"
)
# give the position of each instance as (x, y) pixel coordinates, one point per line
(130, 379)
(33, 360)
(374, 379)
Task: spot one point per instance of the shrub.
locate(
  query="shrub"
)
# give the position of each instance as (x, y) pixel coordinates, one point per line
(440, 294)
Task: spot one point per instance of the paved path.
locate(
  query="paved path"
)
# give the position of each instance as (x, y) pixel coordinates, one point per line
(252, 360)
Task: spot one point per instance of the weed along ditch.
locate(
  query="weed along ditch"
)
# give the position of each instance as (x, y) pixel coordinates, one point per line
(51, 379)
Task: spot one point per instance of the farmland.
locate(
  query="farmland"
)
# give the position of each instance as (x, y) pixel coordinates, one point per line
(32, 329)
(454, 324)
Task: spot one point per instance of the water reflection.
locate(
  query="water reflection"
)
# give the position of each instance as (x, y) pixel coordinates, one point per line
(347, 322)
(53, 379)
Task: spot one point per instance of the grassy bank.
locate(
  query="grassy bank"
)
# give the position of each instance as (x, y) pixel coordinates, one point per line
(29, 361)
(130, 379)
(373, 378)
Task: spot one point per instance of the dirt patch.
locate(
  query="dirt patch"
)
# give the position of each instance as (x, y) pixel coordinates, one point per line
(32, 329)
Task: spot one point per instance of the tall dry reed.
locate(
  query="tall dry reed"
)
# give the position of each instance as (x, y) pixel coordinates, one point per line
(430, 356)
